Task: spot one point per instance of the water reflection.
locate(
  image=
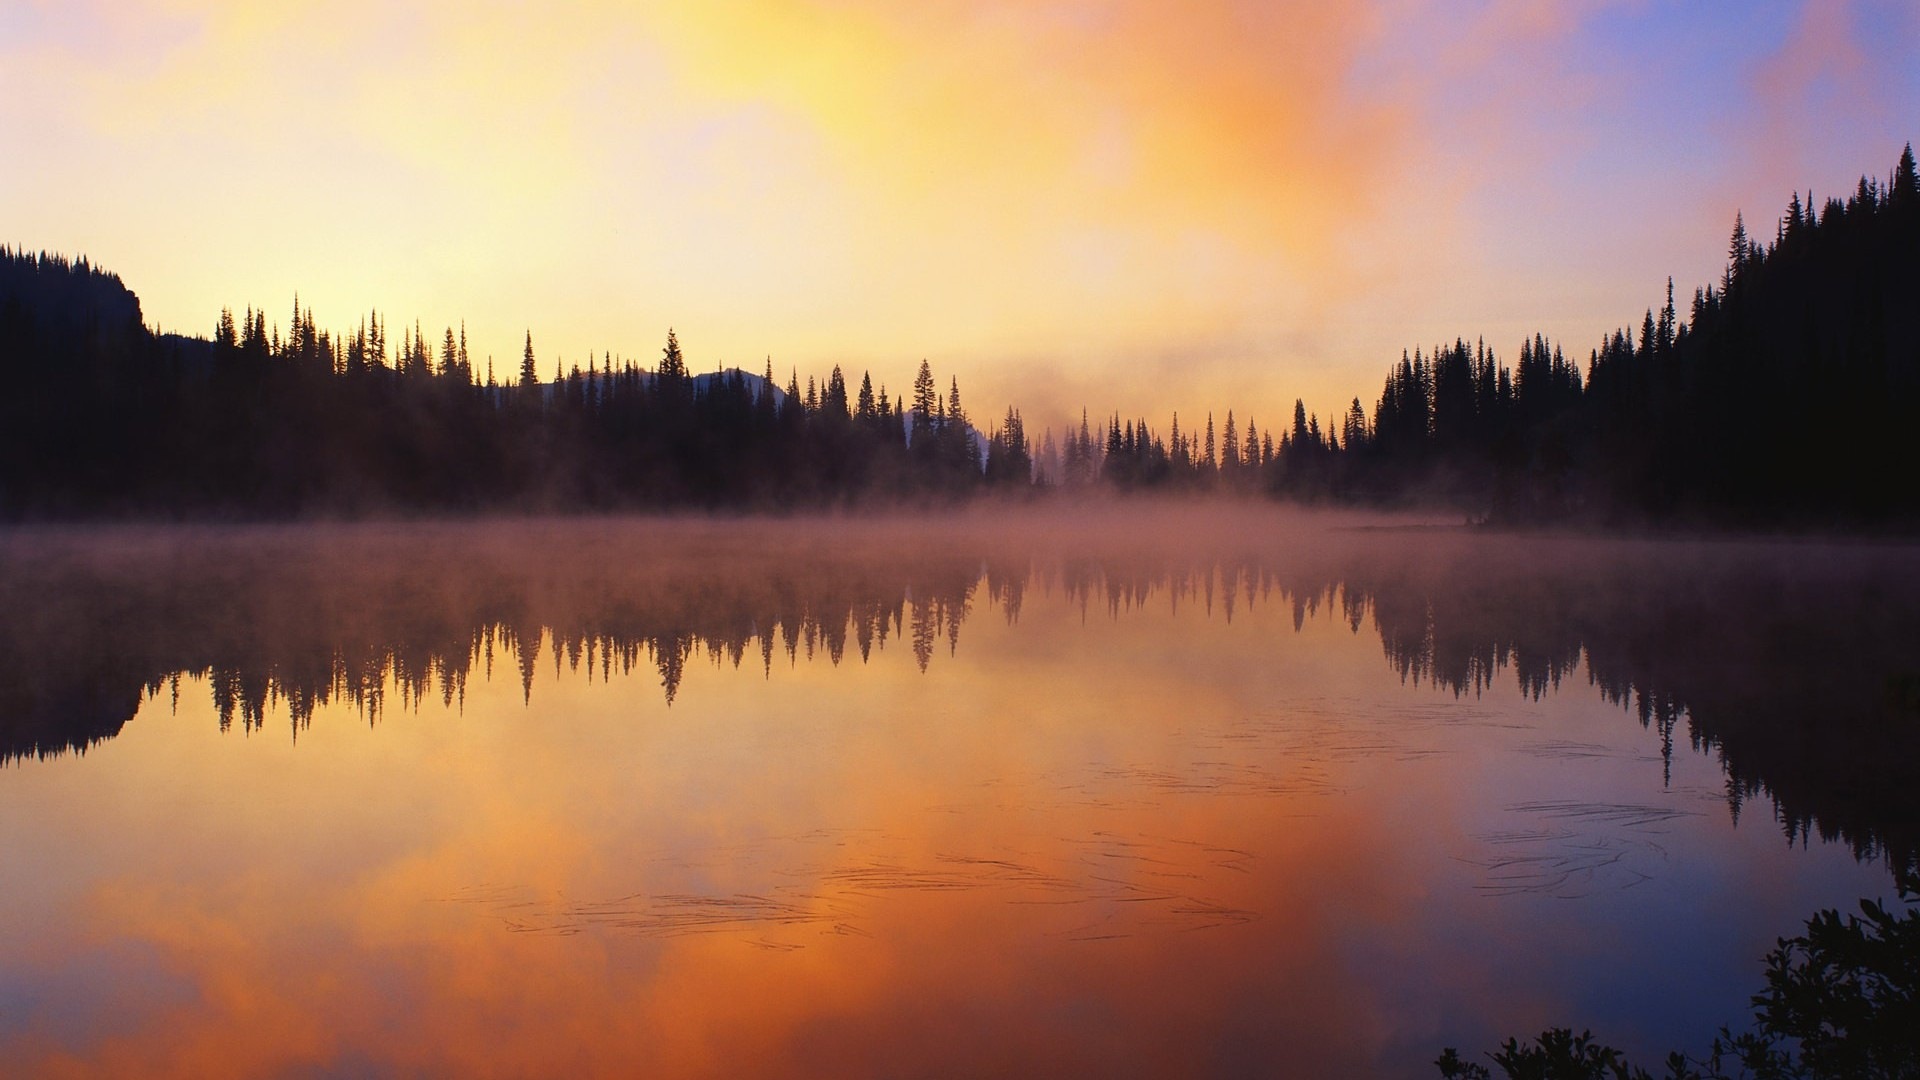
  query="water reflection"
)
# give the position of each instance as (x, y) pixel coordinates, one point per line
(1235, 795)
(1797, 665)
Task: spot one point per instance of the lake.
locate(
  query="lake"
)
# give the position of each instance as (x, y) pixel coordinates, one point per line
(1136, 790)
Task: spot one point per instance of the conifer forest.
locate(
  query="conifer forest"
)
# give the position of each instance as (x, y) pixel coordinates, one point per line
(1782, 395)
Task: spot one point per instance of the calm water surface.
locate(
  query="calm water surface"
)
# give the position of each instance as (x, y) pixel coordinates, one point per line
(1181, 793)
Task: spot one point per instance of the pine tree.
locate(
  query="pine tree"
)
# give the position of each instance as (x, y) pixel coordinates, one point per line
(672, 364)
(672, 384)
(1667, 329)
(528, 376)
(1739, 250)
(1905, 190)
(834, 401)
(864, 404)
(924, 399)
(1354, 432)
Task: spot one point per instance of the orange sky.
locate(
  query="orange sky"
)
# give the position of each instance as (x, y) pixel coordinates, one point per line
(1124, 205)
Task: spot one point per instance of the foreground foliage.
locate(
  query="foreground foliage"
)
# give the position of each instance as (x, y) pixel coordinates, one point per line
(1840, 1004)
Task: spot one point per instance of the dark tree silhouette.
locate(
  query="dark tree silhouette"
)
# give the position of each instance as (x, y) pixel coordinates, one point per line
(1782, 399)
(256, 424)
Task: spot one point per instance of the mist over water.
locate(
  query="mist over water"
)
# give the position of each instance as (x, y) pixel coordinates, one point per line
(1179, 790)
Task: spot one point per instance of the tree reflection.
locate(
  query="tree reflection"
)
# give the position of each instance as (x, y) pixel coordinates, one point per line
(1795, 665)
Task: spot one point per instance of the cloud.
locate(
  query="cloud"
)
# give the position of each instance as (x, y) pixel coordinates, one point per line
(1229, 118)
(1821, 69)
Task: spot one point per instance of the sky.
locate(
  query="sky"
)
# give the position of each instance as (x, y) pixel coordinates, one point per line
(1122, 206)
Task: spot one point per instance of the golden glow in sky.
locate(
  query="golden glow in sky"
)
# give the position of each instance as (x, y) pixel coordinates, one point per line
(1123, 205)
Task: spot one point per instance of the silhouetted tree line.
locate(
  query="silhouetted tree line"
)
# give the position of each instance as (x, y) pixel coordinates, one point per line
(101, 416)
(1797, 672)
(1129, 455)
(1782, 396)
(1785, 394)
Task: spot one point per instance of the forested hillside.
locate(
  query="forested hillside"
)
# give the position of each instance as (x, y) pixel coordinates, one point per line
(1784, 395)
